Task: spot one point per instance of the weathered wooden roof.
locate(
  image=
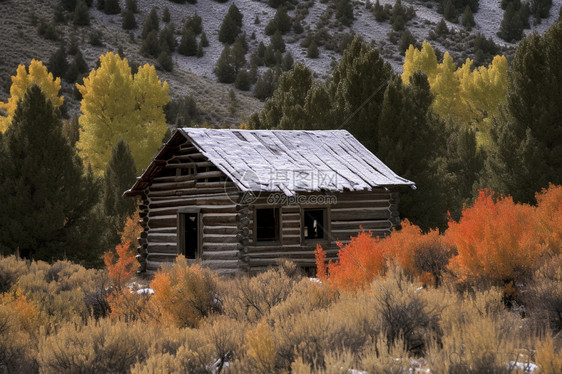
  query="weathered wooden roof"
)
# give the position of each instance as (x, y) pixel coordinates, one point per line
(291, 161)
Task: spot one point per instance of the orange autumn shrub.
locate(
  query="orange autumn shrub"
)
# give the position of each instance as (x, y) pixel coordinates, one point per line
(124, 303)
(549, 218)
(131, 231)
(424, 256)
(495, 239)
(359, 261)
(121, 264)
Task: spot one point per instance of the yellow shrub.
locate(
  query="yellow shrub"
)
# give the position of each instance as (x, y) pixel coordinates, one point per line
(183, 294)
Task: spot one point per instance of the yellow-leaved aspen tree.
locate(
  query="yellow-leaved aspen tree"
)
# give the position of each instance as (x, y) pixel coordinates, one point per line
(117, 104)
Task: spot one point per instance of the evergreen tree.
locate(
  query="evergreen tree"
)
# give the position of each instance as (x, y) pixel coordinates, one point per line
(57, 62)
(379, 12)
(277, 42)
(228, 30)
(344, 12)
(151, 45)
(165, 60)
(238, 53)
(166, 15)
(168, 38)
(528, 133)
(47, 198)
(449, 12)
(204, 41)
(131, 5)
(195, 23)
(468, 19)
(81, 14)
(265, 86)
(357, 90)
(151, 23)
(511, 28)
(129, 21)
(406, 40)
(188, 43)
(120, 174)
(243, 80)
(112, 7)
(224, 69)
(286, 109)
(71, 130)
(441, 28)
(411, 143)
(280, 22)
(288, 61)
(235, 15)
(312, 51)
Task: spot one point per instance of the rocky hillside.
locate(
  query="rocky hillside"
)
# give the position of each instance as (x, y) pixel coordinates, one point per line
(327, 24)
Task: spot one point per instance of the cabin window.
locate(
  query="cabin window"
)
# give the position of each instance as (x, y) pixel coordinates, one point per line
(267, 224)
(313, 226)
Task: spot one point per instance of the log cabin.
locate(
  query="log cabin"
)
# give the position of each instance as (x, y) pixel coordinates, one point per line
(238, 200)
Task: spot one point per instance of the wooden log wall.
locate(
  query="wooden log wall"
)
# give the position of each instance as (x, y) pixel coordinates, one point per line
(375, 211)
(188, 179)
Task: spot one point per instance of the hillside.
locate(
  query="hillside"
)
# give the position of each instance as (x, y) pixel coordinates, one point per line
(194, 75)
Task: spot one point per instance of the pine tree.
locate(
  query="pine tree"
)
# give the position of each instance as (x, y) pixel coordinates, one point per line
(129, 21)
(286, 109)
(188, 43)
(288, 61)
(167, 38)
(151, 23)
(81, 14)
(57, 63)
(243, 80)
(344, 12)
(511, 28)
(528, 133)
(411, 143)
(357, 90)
(131, 5)
(204, 41)
(224, 69)
(47, 199)
(112, 7)
(229, 30)
(264, 87)
(312, 51)
(449, 12)
(165, 60)
(277, 42)
(120, 174)
(71, 130)
(151, 45)
(166, 15)
(238, 53)
(468, 19)
(379, 12)
(235, 15)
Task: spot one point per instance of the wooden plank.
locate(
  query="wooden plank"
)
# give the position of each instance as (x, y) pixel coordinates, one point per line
(355, 225)
(358, 214)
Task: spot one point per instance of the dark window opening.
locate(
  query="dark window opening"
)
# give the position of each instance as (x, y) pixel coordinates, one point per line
(190, 235)
(201, 169)
(313, 225)
(267, 224)
(168, 172)
(186, 171)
